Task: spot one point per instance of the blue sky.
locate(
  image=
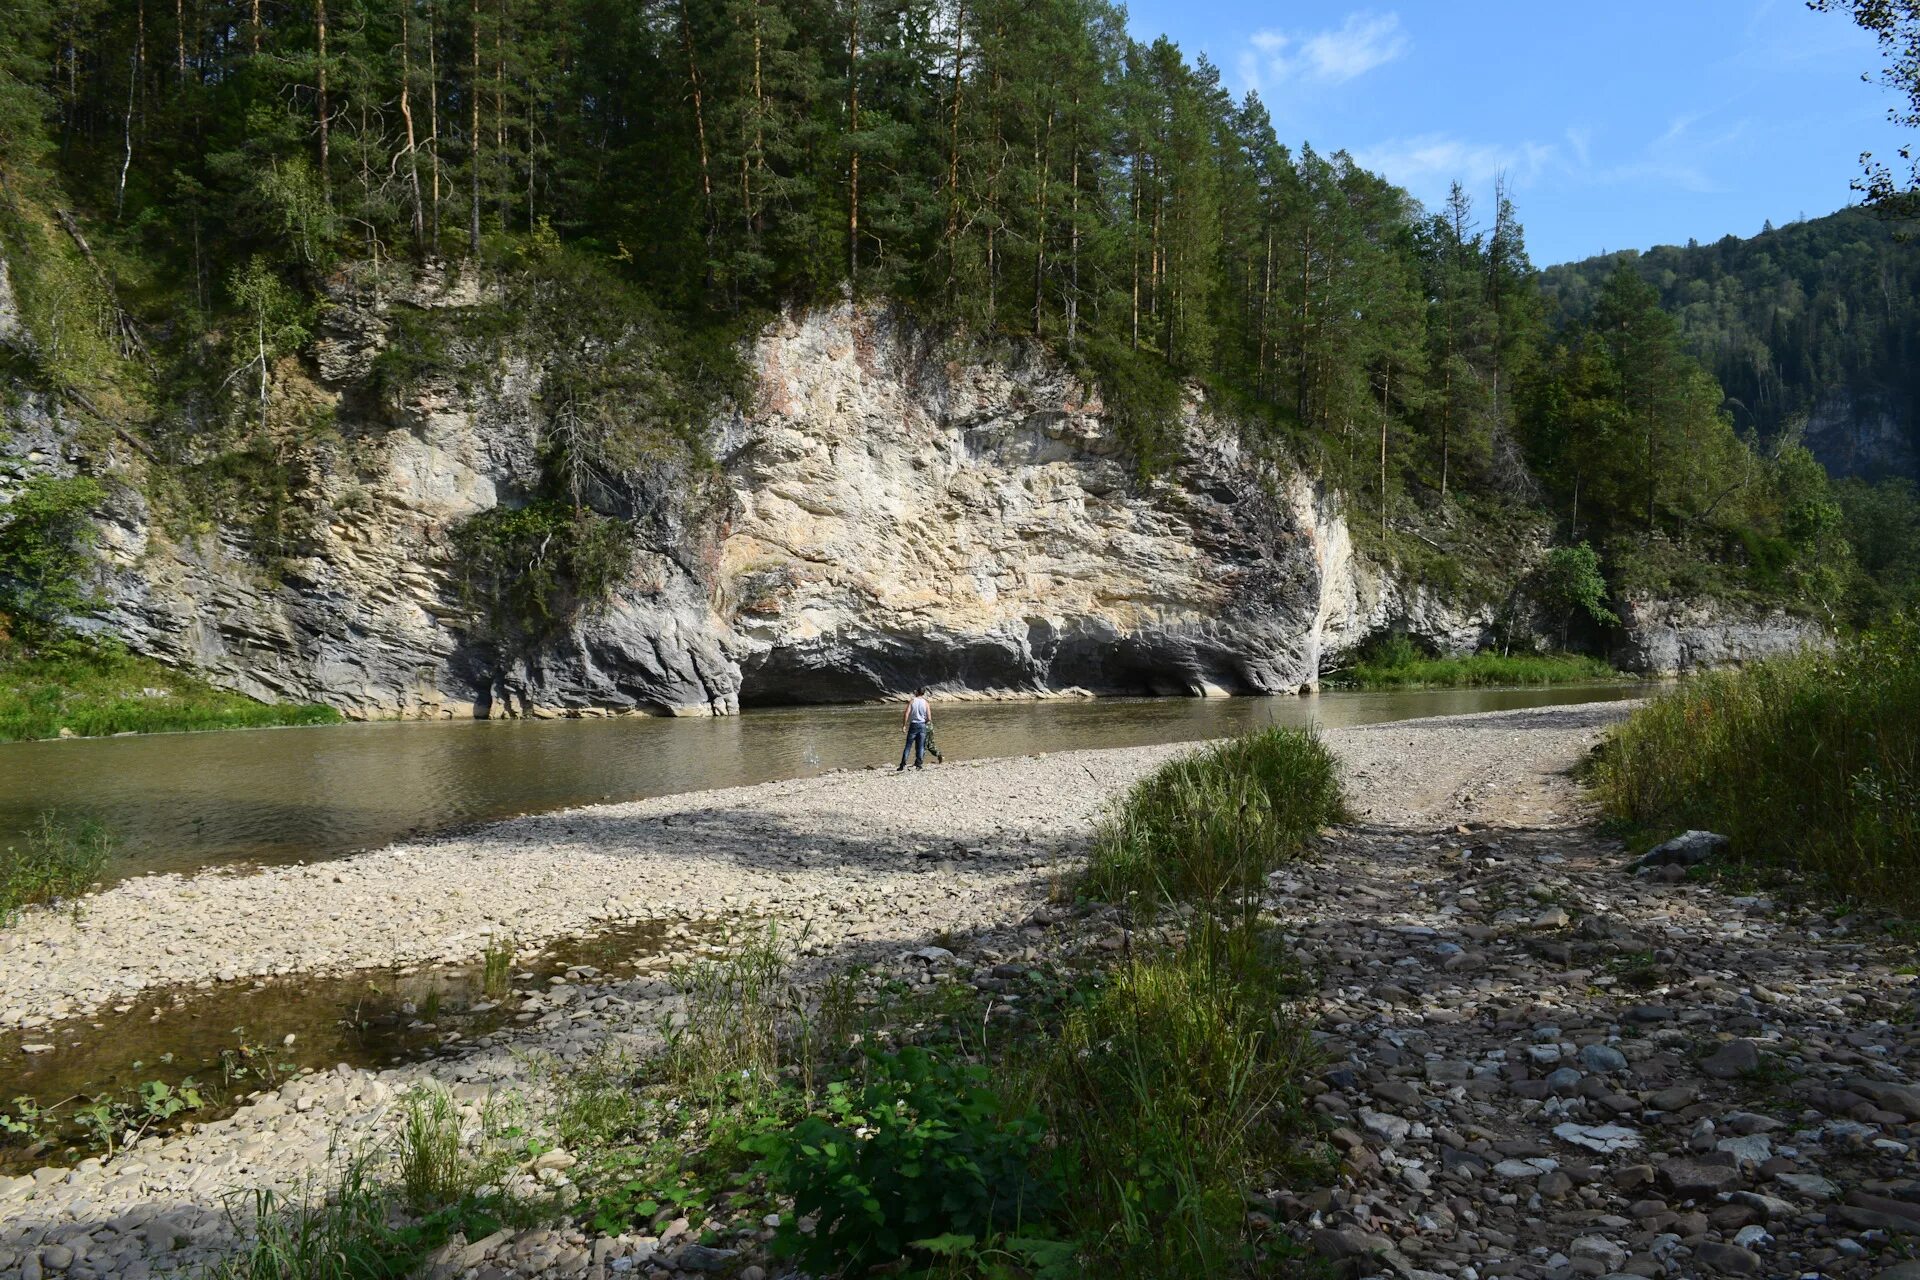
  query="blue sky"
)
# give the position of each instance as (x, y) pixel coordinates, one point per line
(1621, 124)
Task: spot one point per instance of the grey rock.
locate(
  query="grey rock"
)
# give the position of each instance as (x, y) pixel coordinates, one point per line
(1603, 1058)
(700, 1257)
(1668, 637)
(1692, 1180)
(1728, 1259)
(1687, 849)
(1734, 1058)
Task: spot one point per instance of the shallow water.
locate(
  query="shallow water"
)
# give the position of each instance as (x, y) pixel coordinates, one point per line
(179, 802)
(230, 1038)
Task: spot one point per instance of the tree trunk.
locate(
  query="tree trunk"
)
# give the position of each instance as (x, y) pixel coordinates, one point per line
(473, 137)
(1043, 161)
(253, 31)
(699, 122)
(1073, 238)
(953, 153)
(126, 132)
(853, 135)
(406, 114)
(433, 122)
(320, 38)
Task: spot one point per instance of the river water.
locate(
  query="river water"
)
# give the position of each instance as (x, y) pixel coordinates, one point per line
(179, 802)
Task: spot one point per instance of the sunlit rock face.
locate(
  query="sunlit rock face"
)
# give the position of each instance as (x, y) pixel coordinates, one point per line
(893, 508)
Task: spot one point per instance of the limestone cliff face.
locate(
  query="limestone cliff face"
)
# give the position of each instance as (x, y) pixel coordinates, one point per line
(1668, 637)
(905, 514)
(890, 511)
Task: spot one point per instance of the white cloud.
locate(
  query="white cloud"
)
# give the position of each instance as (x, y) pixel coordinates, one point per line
(1426, 164)
(1364, 41)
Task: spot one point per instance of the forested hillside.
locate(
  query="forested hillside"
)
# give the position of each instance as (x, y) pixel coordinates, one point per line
(1815, 324)
(644, 183)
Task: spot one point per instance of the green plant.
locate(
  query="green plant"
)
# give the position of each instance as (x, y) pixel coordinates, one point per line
(434, 1167)
(45, 537)
(733, 1014)
(349, 1231)
(120, 1120)
(923, 1154)
(525, 570)
(1174, 1089)
(496, 969)
(59, 858)
(1216, 821)
(95, 687)
(1570, 582)
(1811, 761)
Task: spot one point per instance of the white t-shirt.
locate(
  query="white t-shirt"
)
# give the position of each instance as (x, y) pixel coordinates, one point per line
(918, 712)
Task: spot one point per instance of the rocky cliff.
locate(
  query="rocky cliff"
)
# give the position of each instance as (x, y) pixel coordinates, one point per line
(892, 508)
(1668, 637)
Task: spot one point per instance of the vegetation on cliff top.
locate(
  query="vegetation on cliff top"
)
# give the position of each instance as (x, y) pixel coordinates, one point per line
(1810, 762)
(1008, 170)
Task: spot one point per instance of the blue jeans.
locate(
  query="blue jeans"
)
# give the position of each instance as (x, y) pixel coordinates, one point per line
(916, 743)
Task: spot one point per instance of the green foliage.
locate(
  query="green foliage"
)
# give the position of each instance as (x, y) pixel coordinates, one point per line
(1788, 321)
(434, 1166)
(1882, 526)
(94, 688)
(1217, 821)
(46, 537)
(351, 1231)
(1570, 583)
(1173, 1092)
(1810, 762)
(924, 1152)
(58, 859)
(1402, 666)
(525, 570)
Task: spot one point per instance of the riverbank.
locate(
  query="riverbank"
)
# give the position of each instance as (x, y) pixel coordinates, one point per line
(843, 855)
(1529, 1053)
(85, 689)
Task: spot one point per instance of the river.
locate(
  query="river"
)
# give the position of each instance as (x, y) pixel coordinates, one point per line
(180, 802)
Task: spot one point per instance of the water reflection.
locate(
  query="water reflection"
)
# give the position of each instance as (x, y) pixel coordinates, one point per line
(184, 801)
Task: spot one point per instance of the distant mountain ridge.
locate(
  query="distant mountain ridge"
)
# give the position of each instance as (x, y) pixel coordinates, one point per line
(1814, 325)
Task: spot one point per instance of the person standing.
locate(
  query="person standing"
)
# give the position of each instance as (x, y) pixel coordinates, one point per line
(919, 722)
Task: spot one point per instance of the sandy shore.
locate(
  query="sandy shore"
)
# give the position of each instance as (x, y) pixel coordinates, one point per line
(845, 855)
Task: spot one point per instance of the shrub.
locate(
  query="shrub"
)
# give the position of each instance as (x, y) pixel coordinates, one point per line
(57, 859)
(923, 1154)
(1811, 760)
(1217, 821)
(525, 570)
(45, 537)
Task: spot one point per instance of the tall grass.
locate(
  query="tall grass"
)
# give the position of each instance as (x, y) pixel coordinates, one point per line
(1216, 822)
(93, 689)
(1175, 1089)
(1395, 663)
(58, 858)
(736, 1014)
(1810, 761)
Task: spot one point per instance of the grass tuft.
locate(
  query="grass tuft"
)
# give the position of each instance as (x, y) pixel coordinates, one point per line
(1216, 822)
(1810, 761)
(1176, 1088)
(92, 689)
(58, 859)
